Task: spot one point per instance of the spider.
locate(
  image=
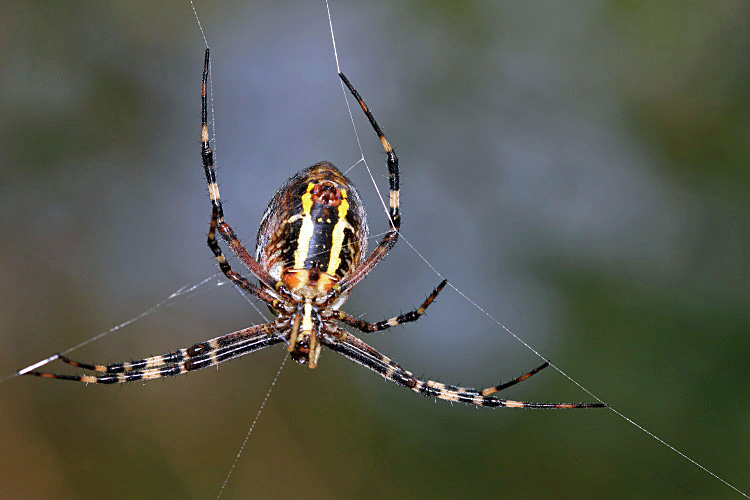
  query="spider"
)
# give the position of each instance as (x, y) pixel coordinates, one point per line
(311, 248)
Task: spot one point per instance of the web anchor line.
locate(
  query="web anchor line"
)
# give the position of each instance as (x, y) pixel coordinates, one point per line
(252, 427)
(181, 292)
(478, 307)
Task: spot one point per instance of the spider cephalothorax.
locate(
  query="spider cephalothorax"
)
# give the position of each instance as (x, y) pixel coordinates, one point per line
(311, 249)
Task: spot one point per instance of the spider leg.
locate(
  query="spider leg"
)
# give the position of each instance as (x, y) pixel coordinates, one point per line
(126, 366)
(407, 317)
(362, 354)
(201, 355)
(217, 213)
(497, 388)
(233, 276)
(394, 215)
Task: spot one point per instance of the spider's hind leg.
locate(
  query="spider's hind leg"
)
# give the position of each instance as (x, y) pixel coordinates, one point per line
(359, 352)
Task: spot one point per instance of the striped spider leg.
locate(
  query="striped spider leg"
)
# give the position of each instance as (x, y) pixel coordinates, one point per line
(359, 352)
(407, 317)
(201, 355)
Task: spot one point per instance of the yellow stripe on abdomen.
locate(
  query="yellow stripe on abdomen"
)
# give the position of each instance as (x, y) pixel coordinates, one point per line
(306, 230)
(337, 238)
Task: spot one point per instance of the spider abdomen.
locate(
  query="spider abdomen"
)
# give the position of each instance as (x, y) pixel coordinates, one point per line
(314, 231)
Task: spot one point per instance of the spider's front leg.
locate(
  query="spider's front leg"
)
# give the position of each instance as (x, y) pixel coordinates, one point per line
(201, 355)
(353, 348)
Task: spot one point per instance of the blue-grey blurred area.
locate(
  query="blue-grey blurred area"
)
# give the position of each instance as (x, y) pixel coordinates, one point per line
(578, 169)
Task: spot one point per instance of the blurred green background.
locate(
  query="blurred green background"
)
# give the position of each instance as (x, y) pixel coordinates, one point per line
(578, 169)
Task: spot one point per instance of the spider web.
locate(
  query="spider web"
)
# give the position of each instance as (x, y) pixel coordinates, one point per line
(212, 282)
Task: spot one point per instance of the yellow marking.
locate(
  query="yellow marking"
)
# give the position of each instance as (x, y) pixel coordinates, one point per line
(386, 144)
(150, 375)
(89, 379)
(338, 235)
(394, 199)
(306, 231)
(213, 191)
(155, 361)
(204, 132)
(221, 258)
(392, 322)
(513, 404)
(307, 319)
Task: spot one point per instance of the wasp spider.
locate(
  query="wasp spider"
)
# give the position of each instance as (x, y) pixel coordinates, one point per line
(311, 248)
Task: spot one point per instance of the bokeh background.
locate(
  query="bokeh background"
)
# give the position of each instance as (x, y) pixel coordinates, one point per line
(579, 170)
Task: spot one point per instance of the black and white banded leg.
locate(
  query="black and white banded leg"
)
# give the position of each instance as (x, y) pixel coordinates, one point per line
(201, 355)
(407, 317)
(359, 352)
